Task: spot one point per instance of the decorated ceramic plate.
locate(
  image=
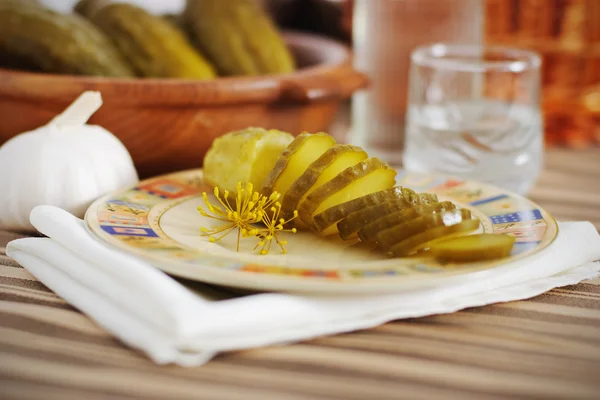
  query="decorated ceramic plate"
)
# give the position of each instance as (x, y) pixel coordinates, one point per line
(158, 220)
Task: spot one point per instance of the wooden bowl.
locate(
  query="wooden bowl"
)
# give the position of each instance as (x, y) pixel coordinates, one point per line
(169, 124)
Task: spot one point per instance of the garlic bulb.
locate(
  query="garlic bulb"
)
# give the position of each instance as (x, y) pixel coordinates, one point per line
(66, 163)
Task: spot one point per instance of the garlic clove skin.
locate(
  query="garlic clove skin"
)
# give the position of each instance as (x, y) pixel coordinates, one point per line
(68, 167)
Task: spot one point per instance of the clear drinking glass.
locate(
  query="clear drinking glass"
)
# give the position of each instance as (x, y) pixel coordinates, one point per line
(474, 112)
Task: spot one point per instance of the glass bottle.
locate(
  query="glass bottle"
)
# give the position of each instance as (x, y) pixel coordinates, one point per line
(384, 34)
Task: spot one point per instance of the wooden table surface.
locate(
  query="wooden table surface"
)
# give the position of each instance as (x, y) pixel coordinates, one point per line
(546, 347)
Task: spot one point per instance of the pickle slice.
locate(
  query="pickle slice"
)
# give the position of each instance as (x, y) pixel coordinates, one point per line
(322, 170)
(368, 176)
(418, 198)
(421, 198)
(375, 225)
(324, 223)
(295, 159)
(358, 219)
(408, 192)
(431, 236)
(399, 232)
(481, 247)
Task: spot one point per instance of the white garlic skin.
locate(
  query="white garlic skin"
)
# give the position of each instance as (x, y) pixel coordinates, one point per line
(68, 167)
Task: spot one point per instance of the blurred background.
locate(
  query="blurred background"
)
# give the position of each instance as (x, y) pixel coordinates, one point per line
(566, 33)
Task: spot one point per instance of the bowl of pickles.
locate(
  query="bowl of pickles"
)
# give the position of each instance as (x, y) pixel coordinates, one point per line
(171, 83)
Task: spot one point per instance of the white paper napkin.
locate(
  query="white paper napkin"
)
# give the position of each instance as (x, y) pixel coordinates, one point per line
(150, 311)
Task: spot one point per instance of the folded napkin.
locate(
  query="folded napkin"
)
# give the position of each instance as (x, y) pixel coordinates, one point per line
(156, 314)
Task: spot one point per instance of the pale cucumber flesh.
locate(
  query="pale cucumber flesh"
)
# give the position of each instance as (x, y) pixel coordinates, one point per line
(480, 247)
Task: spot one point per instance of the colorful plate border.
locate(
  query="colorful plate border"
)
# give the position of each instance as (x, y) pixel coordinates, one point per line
(129, 219)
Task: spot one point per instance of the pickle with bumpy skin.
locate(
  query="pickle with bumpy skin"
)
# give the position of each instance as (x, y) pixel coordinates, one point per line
(295, 159)
(153, 46)
(325, 223)
(57, 43)
(481, 247)
(238, 36)
(382, 221)
(21, 3)
(430, 237)
(326, 167)
(397, 233)
(368, 176)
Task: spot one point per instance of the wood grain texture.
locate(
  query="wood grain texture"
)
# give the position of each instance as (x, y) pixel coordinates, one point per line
(569, 186)
(168, 125)
(547, 347)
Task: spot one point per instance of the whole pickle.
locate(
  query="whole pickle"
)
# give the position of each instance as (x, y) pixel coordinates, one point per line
(51, 42)
(153, 46)
(238, 36)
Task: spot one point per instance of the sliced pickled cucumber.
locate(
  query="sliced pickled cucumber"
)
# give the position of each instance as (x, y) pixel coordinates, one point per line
(368, 176)
(294, 160)
(407, 192)
(349, 226)
(380, 222)
(325, 222)
(418, 198)
(153, 46)
(238, 36)
(245, 156)
(421, 198)
(326, 167)
(397, 233)
(429, 237)
(57, 43)
(481, 247)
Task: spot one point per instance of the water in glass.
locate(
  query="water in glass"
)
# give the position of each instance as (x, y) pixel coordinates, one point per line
(492, 141)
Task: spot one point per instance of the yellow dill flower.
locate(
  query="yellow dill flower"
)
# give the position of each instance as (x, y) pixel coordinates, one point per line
(274, 225)
(245, 211)
(241, 213)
